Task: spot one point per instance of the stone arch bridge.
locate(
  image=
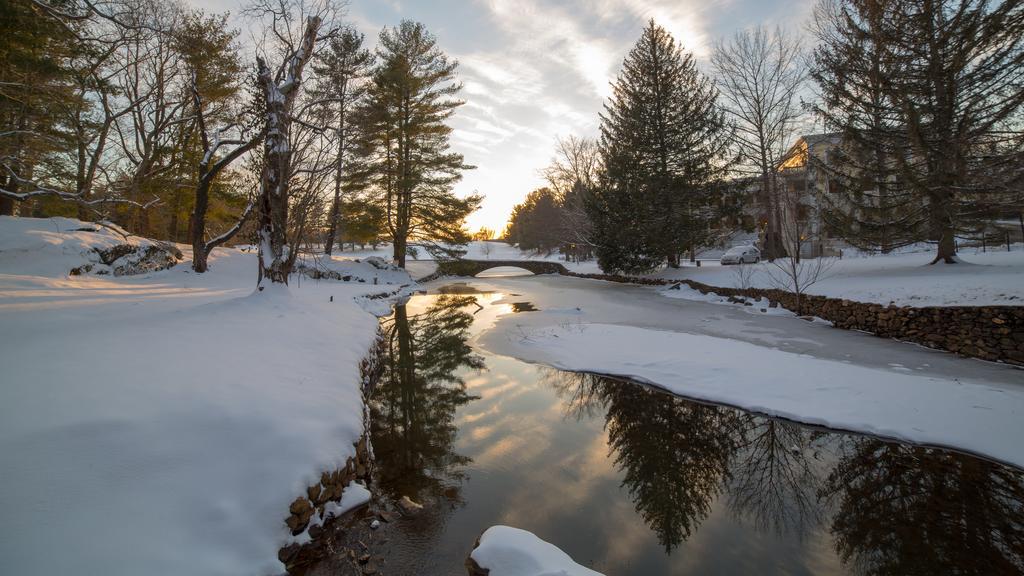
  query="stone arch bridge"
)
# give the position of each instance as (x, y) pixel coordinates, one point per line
(474, 267)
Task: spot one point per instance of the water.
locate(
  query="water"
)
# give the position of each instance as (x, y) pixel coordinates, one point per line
(630, 480)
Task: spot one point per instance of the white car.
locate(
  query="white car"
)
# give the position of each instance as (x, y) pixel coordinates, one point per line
(741, 255)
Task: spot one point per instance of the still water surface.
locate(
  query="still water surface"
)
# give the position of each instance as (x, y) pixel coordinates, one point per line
(631, 480)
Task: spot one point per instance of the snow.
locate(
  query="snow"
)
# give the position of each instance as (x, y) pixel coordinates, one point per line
(976, 416)
(754, 306)
(777, 365)
(162, 424)
(905, 279)
(353, 496)
(42, 247)
(507, 551)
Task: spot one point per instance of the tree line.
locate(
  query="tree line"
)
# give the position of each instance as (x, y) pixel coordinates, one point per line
(154, 116)
(924, 97)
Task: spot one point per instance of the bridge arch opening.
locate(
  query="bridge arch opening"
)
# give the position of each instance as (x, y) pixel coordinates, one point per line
(504, 272)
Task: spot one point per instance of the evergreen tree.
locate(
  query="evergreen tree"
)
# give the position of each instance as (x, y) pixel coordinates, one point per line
(361, 222)
(664, 143)
(410, 164)
(34, 86)
(929, 96)
(535, 224)
(342, 69)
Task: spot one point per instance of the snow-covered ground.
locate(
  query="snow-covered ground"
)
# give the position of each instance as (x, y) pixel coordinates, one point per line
(163, 423)
(771, 364)
(982, 278)
(507, 551)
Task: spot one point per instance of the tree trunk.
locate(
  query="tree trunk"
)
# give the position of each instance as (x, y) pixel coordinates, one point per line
(399, 250)
(332, 226)
(199, 226)
(272, 232)
(942, 226)
(7, 204)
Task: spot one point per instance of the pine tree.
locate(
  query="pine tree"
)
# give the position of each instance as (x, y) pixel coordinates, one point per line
(929, 95)
(664, 144)
(342, 69)
(34, 87)
(406, 141)
(536, 223)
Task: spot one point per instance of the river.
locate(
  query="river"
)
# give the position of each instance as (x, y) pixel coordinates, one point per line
(628, 479)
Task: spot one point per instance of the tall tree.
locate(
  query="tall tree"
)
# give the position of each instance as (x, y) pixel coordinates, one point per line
(664, 146)
(341, 69)
(219, 133)
(406, 139)
(945, 99)
(280, 90)
(760, 73)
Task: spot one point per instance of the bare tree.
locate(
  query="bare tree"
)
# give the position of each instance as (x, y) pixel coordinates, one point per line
(295, 28)
(572, 175)
(154, 78)
(795, 273)
(760, 73)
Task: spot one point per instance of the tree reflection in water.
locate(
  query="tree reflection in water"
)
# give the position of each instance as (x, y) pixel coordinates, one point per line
(674, 454)
(912, 510)
(774, 484)
(891, 509)
(413, 406)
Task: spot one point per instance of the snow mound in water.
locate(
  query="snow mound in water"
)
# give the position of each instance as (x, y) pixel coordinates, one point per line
(507, 551)
(56, 247)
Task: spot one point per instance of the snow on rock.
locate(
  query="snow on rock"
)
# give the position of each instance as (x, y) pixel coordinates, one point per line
(507, 551)
(163, 424)
(978, 416)
(354, 496)
(54, 247)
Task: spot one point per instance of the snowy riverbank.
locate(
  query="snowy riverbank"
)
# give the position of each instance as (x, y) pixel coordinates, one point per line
(162, 424)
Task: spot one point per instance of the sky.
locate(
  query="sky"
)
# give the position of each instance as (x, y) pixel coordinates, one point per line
(535, 70)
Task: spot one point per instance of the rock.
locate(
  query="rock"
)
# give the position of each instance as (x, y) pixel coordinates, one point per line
(409, 506)
(299, 506)
(288, 553)
(375, 524)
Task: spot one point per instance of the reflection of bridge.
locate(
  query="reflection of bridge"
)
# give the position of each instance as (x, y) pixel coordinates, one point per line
(474, 267)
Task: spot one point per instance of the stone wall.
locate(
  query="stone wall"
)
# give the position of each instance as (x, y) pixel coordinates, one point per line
(987, 332)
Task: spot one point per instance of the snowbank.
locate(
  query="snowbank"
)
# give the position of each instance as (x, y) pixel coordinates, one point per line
(977, 416)
(162, 424)
(44, 247)
(507, 551)
(981, 279)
